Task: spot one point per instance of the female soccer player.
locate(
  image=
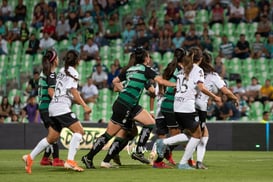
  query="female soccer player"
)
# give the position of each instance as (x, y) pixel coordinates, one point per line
(214, 83)
(190, 79)
(61, 115)
(165, 120)
(124, 135)
(126, 105)
(47, 83)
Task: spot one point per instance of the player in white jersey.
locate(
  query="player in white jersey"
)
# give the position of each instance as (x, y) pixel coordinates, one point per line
(60, 112)
(214, 83)
(190, 79)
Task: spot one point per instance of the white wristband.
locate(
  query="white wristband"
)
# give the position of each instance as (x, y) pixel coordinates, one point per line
(152, 112)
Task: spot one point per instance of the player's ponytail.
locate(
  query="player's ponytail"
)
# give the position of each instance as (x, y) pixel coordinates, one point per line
(71, 58)
(206, 63)
(48, 61)
(187, 65)
(196, 54)
(179, 53)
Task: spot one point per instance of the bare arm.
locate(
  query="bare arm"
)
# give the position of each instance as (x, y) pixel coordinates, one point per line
(78, 99)
(203, 89)
(117, 84)
(164, 82)
(230, 95)
(50, 92)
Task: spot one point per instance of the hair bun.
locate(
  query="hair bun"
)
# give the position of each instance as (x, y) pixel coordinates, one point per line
(139, 50)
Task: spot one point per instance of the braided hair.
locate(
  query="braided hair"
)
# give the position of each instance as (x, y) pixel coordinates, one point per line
(71, 58)
(48, 61)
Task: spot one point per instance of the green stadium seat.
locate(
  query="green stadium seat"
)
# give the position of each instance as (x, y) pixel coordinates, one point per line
(242, 28)
(63, 45)
(217, 28)
(156, 56)
(37, 59)
(235, 66)
(124, 10)
(105, 51)
(138, 4)
(202, 16)
(229, 29)
(167, 58)
(78, 110)
(256, 111)
(248, 65)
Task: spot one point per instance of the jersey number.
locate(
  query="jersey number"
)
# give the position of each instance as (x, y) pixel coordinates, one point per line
(182, 85)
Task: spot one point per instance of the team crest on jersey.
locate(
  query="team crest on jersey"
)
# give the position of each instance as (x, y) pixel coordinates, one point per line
(196, 118)
(52, 76)
(73, 115)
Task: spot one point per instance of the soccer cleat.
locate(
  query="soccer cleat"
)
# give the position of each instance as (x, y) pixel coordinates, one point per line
(88, 163)
(161, 165)
(200, 165)
(57, 162)
(185, 167)
(192, 163)
(160, 148)
(70, 164)
(170, 159)
(28, 161)
(140, 157)
(116, 159)
(46, 161)
(106, 165)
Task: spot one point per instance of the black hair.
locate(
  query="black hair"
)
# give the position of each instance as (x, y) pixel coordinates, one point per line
(48, 61)
(19, 102)
(71, 58)
(140, 55)
(3, 105)
(206, 63)
(179, 53)
(265, 112)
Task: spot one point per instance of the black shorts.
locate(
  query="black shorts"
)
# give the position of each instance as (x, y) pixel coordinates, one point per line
(202, 117)
(188, 121)
(129, 124)
(170, 119)
(46, 119)
(122, 114)
(64, 120)
(163, 124)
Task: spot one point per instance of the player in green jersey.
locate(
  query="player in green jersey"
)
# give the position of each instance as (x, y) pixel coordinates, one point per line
(47, 82)
(126, 105)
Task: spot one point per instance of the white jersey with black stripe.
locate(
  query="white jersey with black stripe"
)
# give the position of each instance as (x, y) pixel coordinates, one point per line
(186, 90)
(62, 99)
(213, 82)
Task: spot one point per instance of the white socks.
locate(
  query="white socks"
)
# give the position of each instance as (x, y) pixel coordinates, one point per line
(192, 144)
(73, 146)
(176, 139)
(201, 148)
(39, 148)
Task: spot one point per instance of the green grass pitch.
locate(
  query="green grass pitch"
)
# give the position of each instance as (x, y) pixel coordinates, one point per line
(223, 166)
